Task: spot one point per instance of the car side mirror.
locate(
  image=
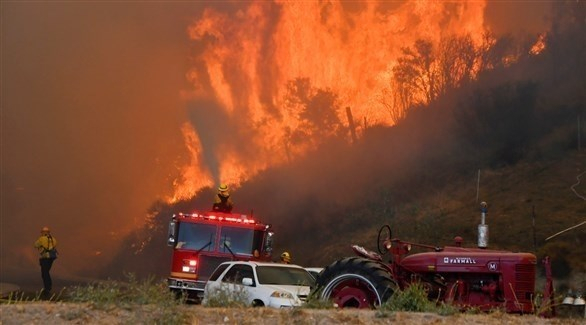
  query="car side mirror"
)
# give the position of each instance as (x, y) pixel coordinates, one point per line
(247, 282)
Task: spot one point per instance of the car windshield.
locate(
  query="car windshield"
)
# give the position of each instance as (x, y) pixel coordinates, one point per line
(283, 275)
(196, 236)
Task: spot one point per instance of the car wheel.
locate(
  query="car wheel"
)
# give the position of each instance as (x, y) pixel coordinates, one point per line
(257, 303)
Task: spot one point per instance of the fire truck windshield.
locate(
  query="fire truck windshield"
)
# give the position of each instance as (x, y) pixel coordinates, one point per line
(197, 236)
(234, 240)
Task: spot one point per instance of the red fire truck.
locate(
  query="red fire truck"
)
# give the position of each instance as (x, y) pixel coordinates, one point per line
(201, 241)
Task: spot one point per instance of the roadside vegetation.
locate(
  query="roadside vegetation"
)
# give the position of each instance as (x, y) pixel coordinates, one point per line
(148, 301)
(22, 297)
(414, 299)
(163, 304)
(226, 297)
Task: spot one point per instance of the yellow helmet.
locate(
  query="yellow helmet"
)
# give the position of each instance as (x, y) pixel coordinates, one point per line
(286, 257)
(223, 189)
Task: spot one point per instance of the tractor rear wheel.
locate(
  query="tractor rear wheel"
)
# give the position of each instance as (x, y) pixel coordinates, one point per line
(355, 282)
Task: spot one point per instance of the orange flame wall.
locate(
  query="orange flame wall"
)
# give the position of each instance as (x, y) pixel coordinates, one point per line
(247, 54)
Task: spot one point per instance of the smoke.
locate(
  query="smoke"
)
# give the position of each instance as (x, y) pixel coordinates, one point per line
(216, 129)
(219, 133)
(518, 18)
(91, 118)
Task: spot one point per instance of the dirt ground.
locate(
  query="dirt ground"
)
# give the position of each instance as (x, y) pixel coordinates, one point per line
(75, 313)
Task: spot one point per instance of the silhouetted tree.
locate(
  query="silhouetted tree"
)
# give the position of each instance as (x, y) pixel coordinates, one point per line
(456, 59)
(415, 71)
(397, 99)
(316, 113)
(321, 113)
(424, 73)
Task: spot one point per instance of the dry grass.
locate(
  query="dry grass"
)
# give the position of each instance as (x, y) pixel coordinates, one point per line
(78, 313)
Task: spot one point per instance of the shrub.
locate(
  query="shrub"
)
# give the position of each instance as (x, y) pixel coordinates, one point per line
(414, 299)
(314, 302)
(106, 295)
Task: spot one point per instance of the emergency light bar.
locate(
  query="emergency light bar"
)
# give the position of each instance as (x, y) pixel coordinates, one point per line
(242, 219)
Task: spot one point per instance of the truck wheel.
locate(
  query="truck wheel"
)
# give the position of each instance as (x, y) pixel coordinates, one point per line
(355, 282)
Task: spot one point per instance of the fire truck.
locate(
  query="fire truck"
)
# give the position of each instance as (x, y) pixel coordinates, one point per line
(201, 241)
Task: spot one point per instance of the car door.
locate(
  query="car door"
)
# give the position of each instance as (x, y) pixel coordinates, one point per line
(214, 283)
(232, 283)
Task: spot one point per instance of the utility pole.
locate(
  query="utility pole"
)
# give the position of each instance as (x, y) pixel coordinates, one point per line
(351, 124)
(478, 186)
(534, 236)
(579, 133)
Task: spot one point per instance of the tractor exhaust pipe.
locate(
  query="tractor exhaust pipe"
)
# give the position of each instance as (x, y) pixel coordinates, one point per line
(483, 227)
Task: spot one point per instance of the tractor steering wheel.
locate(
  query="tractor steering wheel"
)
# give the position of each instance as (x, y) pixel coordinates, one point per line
(384, 237)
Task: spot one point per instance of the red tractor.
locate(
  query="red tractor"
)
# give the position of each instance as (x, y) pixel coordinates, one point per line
(465, 277)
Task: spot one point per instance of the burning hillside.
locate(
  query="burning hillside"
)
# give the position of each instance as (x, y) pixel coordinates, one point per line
(273, 79)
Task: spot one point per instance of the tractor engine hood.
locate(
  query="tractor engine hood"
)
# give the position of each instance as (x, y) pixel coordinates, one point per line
(465, 260)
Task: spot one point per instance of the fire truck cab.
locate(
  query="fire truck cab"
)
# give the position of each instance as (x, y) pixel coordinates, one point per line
(201, 241)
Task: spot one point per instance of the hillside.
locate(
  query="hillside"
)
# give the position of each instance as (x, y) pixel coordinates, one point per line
(514, 193)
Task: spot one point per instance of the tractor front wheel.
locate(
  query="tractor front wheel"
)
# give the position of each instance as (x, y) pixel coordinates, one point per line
(355, 282)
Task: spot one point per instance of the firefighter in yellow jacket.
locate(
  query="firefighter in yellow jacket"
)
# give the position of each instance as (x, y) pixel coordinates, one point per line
(46, 244)
(222, 201)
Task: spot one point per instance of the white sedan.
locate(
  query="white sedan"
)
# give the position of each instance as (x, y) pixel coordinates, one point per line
(259, 284)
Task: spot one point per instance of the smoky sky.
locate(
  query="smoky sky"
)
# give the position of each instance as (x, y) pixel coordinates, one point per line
(91, 117)
(92, 111)
(517, 17)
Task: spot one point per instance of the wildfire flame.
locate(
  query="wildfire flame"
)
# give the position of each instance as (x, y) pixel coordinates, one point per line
(539, 46)
(248, 57)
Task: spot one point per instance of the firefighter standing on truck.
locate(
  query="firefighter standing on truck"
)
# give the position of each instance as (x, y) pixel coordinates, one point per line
(222, 201)
(46, 244)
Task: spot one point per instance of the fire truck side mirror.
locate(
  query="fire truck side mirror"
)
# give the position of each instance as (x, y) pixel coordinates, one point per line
(269, 242)
(171, 233)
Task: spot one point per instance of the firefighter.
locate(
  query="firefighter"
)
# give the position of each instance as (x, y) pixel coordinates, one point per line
(286, 258)
(46, 244)
(222, 201)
